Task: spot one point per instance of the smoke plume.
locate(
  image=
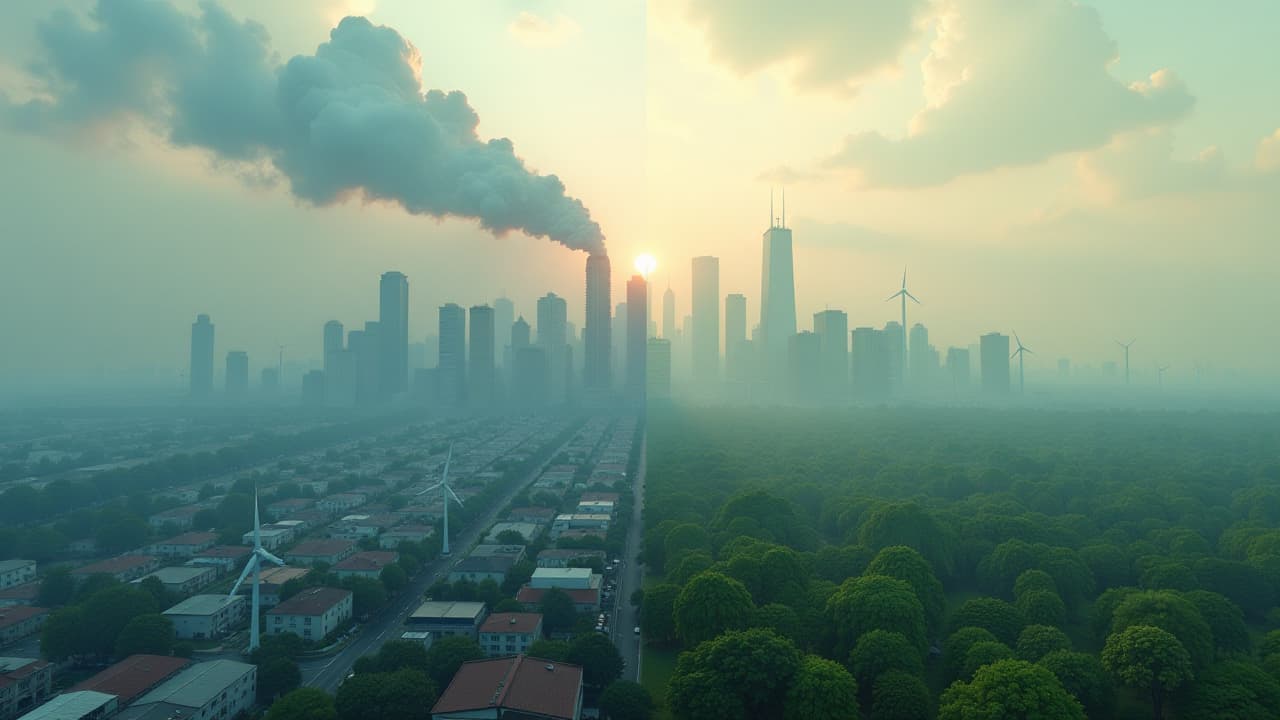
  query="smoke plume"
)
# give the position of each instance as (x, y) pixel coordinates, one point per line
(352, 119)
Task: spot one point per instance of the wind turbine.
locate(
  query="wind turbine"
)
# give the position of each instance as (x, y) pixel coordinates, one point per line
(446, 492)
(1126, 357)
(255, 566)
(1022, 349)
(1160, 374)
(904, 294)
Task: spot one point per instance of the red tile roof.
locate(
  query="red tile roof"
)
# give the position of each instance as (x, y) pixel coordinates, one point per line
(367, 561)
(599, 496)
(27, 591)
(524, 684)
(512, 623)
(15, 614)
(321, 548)
(533, 596)
(311, 601)
(114, 565)
(191, 538)
(133, 676)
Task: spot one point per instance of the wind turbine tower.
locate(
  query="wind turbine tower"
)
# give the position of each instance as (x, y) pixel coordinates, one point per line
(904, 294)
(1160, 374)
(1022, 349)
(446, 492)
(255, 566)
(1126, 357)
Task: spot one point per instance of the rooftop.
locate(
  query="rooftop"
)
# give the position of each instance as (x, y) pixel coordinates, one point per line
(70, 705)
(531, 595)
(197, 685)
(203, 604)
(519, 683)
(311, 601)
(282, 575)
(449, 609)
(225, 551)
(512, 623)
(191, 538)
(562, 573)
(180, 573)
(321, 548)
(8, 565)
(484, 564)
(367, 561)
(492, 550)
(111, 566)
(15, 614)
(133, 676)
(20, 667)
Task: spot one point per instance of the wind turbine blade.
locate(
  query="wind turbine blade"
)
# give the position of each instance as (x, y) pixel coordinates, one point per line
(1014, 354)
(257, 524)
(444, 480)
(913, 297)
(1017, 339)
(1027, 349)
(904, 277)
(453, 495)
(433, 487)
(248, 568)
(897, 294)
(265, 555)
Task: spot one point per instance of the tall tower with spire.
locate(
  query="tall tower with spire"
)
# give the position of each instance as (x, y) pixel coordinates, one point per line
(777, 293)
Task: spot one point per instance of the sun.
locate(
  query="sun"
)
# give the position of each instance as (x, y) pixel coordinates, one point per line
(646, 264)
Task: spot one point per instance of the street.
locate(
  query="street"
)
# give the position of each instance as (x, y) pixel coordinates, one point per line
(626, 617)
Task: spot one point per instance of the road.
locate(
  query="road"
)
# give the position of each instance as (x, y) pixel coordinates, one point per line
(626, 617)
(387, 625)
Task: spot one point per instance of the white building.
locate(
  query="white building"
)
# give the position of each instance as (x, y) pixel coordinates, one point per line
(577, 521)
(311, 614)
(183, 579)
(510, 633)
(272, 537)
(201, 617)
(24, 683)
(185, 545)
(16, 572)
(564, 578)
(214, 690)
(80, 705)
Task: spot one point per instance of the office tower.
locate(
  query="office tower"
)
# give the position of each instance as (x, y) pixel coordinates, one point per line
(332, 342)
(313, 394)
(597, 370)
(706, 319)
(417, 357)
(995, 363)
(368, 351)
(201, 378)
(872, 358)
(735, 334)
(619, 332)
(554, 340)
(237, 375)
(958, 366)
(804, 361)
(531, 377)
(832, 329)
(451, 374)
(777, 295)
(637, 348)
(519, 334)
(504, 314)
(658, 369)
(897, 361)
(340, 377)
(920, 363)
(393, 334)
(480, 360)
(669, 314)
(270, 379)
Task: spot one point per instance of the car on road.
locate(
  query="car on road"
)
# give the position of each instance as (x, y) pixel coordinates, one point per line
(637, 631)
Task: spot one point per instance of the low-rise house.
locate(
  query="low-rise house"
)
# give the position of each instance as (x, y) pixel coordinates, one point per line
(24, 683)
(391, 539)
(612, 497)
(179, 517)
(312, 518)
(134, 676)
(512, 687)
(20, 595)
(272, 538)
(330, 552)
(479, 569)
(82, 705)
(125, 568)
(535, 515)
(206, 617)
(224, 557)
(515, 552)
(19, 621)
(562, 558)
(576, 521)
(443, 618)
(16, 572)
(365, 564)
(184, 579)
(341, 502)
(584, 534)
(184, 545)
(281, 509)
(580, 584)
(510, 633)
(272, 582)
(528, 531)
(312, 614)
(213, 690)
(595, 507)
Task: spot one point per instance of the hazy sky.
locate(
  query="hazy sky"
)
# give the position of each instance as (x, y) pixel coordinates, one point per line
(1077, 172)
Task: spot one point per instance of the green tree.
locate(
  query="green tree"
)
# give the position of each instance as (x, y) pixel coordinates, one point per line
(447, 654)
(1083, 676)
(1036, 641)
(687, 565)
(821, 690)
(64, 634)
(393, 578)
(57, 587)
(900, 696)
(556, 650)
(109, 611)
(779, 618)
(685, 538)
(740, 674)
(1148, 658)
(874, 602)
(406, 693)
(367, 595)
(400, 654)
(1225, 620)
(558, 612)
(1234, 689)
(982, 654)
(904, 563)
(277, 676)
(1171, 612)
(625, 700)
(1010, 690)
(709, 605)
(150, 634)
(510, 537)
(908, 524)
(956, 647)
(1034, 580)
(999, 617)
(880, 651)
(1042, 607)
(598, 657)
(303, 704)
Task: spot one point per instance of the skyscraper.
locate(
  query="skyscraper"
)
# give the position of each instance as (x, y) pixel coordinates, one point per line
(637, 347)
(658, 369)
(706, 319)
(519, 334)
(777, 296)
(894, 333)
(333, 336)
(597, 370)
(620, 343)
(832, 329)
(451, 369)
(554, 341)
(480, 360)
(804, 360)
(735, 336)
(393, 334)
(995, 363)
(669, 314)
(504, 314)
(201, 376)
(369, 367)
(871, 364)
(958, 366)
(920, 356)
(237, 375)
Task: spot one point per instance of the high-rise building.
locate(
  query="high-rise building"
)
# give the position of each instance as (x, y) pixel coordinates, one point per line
(897, 360)
(393, 334)
(872, 358)
(669, 329)
(705, 343)
(531, 376)
(451, 373)
(519, 334)
(804, 359)
(270, 379)
(921, 360)
(832, 329)
(620, 343)
(333, 336)
(637, 347)
(995, 363)
(480, 360)
(201, 377)
(368, 351)
(777, 297)
(658, 369)
(958, 366)
(735, 335)
(553, 338)
(597, 368)
(313, 394)
(504, 314)
(237, 375)
(417, 357)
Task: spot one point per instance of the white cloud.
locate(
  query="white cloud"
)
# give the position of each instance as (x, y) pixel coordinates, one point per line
(536, 31)
(1142, 164)
(1268, 155)
(1009, 83)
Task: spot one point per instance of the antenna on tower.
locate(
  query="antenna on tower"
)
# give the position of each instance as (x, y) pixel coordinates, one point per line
(784, 207)
(772, 221)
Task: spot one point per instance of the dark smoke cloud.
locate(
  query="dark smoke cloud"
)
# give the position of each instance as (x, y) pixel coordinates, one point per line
(350, 119)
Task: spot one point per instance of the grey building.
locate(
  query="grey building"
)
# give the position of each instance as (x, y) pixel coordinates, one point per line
(393, 334)
(201, 375)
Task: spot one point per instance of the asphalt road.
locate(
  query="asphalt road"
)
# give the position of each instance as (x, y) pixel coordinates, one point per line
(626, 617)
(328, 673)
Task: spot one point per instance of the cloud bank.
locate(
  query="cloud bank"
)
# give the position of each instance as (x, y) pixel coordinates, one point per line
(350, 120)
(533, 30)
